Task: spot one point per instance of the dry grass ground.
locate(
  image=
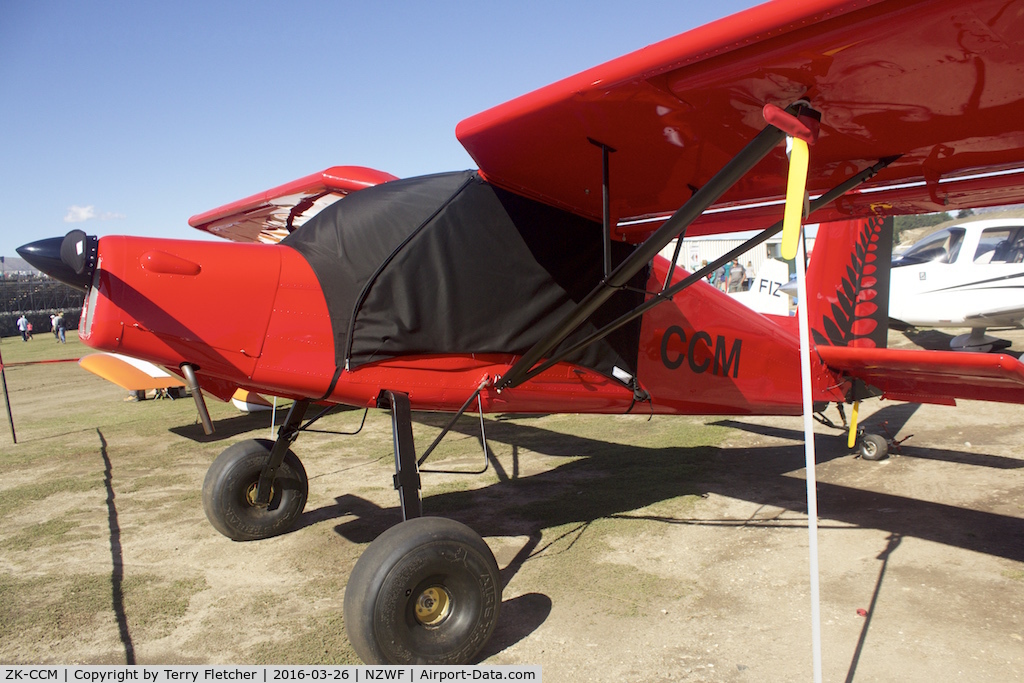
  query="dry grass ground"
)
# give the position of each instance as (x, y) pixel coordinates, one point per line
(632, 549)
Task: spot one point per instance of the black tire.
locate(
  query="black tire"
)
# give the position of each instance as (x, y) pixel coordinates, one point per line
(232, 479)
(873, 447)
(426, 591)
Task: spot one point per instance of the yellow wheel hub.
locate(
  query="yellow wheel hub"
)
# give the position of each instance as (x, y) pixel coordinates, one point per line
(433, 606)
(250, 494)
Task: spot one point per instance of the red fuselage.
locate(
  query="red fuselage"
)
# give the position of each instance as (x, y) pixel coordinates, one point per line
(254, 316)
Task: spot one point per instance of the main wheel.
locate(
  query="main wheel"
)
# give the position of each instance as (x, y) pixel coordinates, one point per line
(873, 447)
(426, 591)
(230, 489)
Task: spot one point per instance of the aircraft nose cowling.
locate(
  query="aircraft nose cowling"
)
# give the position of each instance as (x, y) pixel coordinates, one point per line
(70, 259)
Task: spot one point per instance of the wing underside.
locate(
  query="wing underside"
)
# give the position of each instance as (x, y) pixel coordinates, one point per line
(997, 316)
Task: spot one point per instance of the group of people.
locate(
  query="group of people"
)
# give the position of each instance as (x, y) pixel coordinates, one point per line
(57, 326)
(732, 277)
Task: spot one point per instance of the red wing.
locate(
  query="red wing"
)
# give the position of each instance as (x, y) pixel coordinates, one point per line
(272, 215)
(931, 376)
(937, 82)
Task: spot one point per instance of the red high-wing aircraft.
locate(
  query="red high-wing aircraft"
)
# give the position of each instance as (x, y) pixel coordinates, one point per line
(532, 284)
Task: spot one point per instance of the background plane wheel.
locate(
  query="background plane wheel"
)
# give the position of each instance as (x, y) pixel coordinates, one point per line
(873, 447)
(426, 591)
(230, 487)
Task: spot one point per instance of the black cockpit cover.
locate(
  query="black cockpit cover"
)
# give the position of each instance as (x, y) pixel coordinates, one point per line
(449, 264)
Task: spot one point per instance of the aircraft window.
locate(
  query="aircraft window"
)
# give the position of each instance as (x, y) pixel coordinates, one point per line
(942, 247)
(1016, 252)
(1000, 245)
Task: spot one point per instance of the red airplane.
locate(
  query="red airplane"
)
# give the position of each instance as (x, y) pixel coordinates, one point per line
(533, 284)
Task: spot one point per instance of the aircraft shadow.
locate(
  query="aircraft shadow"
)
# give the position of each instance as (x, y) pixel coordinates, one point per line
(229, 427)
(889, 422)
(243, 423)
(612, 480)
(519, 617)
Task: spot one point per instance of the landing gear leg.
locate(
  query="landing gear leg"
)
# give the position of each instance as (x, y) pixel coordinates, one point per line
(407, 474)
(426, 591)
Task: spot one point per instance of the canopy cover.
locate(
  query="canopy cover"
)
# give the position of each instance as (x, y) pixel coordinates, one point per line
(447, 264)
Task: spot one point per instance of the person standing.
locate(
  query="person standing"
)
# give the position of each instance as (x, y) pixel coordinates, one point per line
(736, 275)
(23, 327)
(59, 322)
(710, 277)
(720, 277)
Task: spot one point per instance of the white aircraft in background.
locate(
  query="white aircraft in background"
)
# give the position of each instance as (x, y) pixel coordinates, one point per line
(966, 275)
(766, 293)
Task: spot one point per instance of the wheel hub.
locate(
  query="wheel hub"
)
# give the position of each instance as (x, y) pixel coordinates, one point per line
(250, 494)
(433, 606)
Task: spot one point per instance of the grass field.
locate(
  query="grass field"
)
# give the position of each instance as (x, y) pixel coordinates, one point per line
(672, 548)
(107, 556)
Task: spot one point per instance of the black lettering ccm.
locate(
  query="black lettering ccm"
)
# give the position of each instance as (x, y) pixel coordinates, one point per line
(725, 358)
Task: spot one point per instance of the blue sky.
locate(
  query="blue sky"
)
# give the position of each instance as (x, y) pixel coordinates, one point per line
(130, 117)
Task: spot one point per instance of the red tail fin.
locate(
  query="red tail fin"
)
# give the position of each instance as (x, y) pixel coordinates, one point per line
(848, 283)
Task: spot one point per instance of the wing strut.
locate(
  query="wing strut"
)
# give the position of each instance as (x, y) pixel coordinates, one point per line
(667, 293)
(744, 161)
(606, 212)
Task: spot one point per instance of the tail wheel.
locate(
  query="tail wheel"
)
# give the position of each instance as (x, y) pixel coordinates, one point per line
(873, 447)
(229, 492)
(426, 591)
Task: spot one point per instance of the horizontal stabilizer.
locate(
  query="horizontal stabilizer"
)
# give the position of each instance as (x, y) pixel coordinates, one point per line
(930, 376)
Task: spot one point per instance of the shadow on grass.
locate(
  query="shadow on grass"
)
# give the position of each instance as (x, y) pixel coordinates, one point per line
(888, 422)
(609, 480)
(228, 428)
(116, 556)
